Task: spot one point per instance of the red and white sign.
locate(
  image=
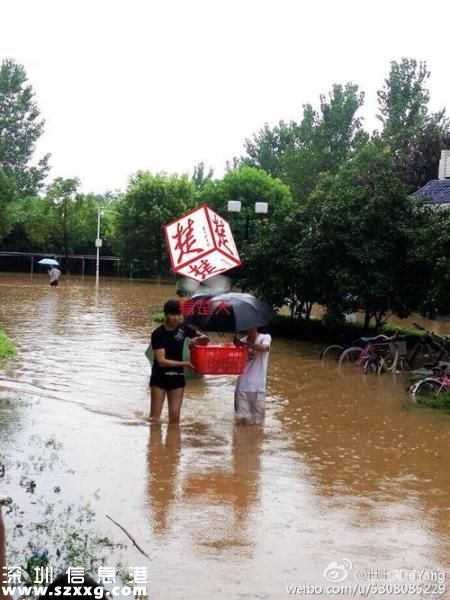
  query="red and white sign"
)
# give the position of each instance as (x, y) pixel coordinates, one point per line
(201, 244)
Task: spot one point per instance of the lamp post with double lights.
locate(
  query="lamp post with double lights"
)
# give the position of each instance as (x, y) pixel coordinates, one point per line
(98, 245)
(235, 206)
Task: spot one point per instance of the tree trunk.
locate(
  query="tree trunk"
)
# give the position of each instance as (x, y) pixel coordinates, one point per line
(292, 309)
(367, 318)
(309, 306)
(379, 318)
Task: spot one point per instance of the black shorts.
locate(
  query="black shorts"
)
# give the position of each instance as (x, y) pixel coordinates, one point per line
(168, 382)
(54, 283)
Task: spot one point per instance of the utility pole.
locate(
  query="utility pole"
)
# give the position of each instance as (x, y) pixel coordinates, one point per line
(98, 245)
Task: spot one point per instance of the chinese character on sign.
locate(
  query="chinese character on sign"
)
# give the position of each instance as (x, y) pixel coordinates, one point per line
(43, 575)
(221, 233)
(203, 271)
(14, 575)
(75, 575)
(138, 574)
(106, 575)
(201, 244)
(185, 240)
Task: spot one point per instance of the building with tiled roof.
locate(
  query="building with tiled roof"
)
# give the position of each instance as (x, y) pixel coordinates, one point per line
(437, 191)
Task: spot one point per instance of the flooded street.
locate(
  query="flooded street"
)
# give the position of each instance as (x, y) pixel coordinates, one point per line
(345, 466)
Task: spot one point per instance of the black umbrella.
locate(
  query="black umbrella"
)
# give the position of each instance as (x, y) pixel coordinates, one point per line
(229, 312)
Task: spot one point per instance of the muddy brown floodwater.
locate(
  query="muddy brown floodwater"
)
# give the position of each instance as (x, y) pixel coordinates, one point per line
(344, 468)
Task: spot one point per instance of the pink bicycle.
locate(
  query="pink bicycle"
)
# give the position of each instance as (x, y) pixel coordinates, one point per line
(380, 353)
(432, 386)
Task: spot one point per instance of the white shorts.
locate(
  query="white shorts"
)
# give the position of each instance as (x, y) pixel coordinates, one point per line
(250, 407)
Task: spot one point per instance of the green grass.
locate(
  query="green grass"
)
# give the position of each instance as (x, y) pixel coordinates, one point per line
(7, 348)
(442, 402)
(158, 317)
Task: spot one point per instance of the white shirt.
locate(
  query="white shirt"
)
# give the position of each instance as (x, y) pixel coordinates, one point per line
(55, 274)
(253, 379)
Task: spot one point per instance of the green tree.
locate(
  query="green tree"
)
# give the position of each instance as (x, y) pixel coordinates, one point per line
(7, 194)
(32, 224)
(414, 135)
(354, 243)
(248, 185)
(280, 269)
(267, 148)
(364, 232)
(299, 152)
(20, 129)
(62, 197)
(431, 258)
(149, 202)
(201, 175)
(46, 224)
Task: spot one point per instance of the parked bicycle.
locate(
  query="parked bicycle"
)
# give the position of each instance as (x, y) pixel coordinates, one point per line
(431, 348)
(334, 351)
(432, 386)
(380, 353)
(391, 358)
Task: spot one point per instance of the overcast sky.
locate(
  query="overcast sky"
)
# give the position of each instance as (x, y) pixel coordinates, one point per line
(162, 85)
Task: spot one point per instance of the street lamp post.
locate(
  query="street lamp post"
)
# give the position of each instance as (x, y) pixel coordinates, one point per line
(98, 245)
(261, 208)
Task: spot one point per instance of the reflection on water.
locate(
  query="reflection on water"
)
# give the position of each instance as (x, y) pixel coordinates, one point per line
(234, 485)
(163, 458)
(344, 466)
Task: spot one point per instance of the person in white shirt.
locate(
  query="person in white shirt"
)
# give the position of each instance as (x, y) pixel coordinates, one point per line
(54, 273)
(250, 392)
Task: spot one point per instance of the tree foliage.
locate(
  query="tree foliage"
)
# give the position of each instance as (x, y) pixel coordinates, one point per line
(64, 221)
(358, 242)
(299, 152)
(20, 129)
(201, 175)
(249, 185)
(149, 202)
(414, 135)
(7, 194)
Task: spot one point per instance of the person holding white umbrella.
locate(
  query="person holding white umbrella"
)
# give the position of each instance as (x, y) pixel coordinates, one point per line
(53, 271)
(54, 274)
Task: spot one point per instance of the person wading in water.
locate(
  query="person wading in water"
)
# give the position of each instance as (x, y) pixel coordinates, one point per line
(167, 378)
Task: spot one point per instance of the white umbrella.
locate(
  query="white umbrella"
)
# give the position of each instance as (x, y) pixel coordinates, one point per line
(51, 262)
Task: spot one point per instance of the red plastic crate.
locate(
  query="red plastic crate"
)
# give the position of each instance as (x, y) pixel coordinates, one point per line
(220, 359)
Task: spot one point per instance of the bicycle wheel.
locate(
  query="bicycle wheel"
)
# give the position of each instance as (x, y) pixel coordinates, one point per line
(331, 352)
(350, 356)
(426, 388)
(371, 365)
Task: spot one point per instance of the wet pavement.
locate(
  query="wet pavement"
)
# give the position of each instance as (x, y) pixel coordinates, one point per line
(345, 466)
